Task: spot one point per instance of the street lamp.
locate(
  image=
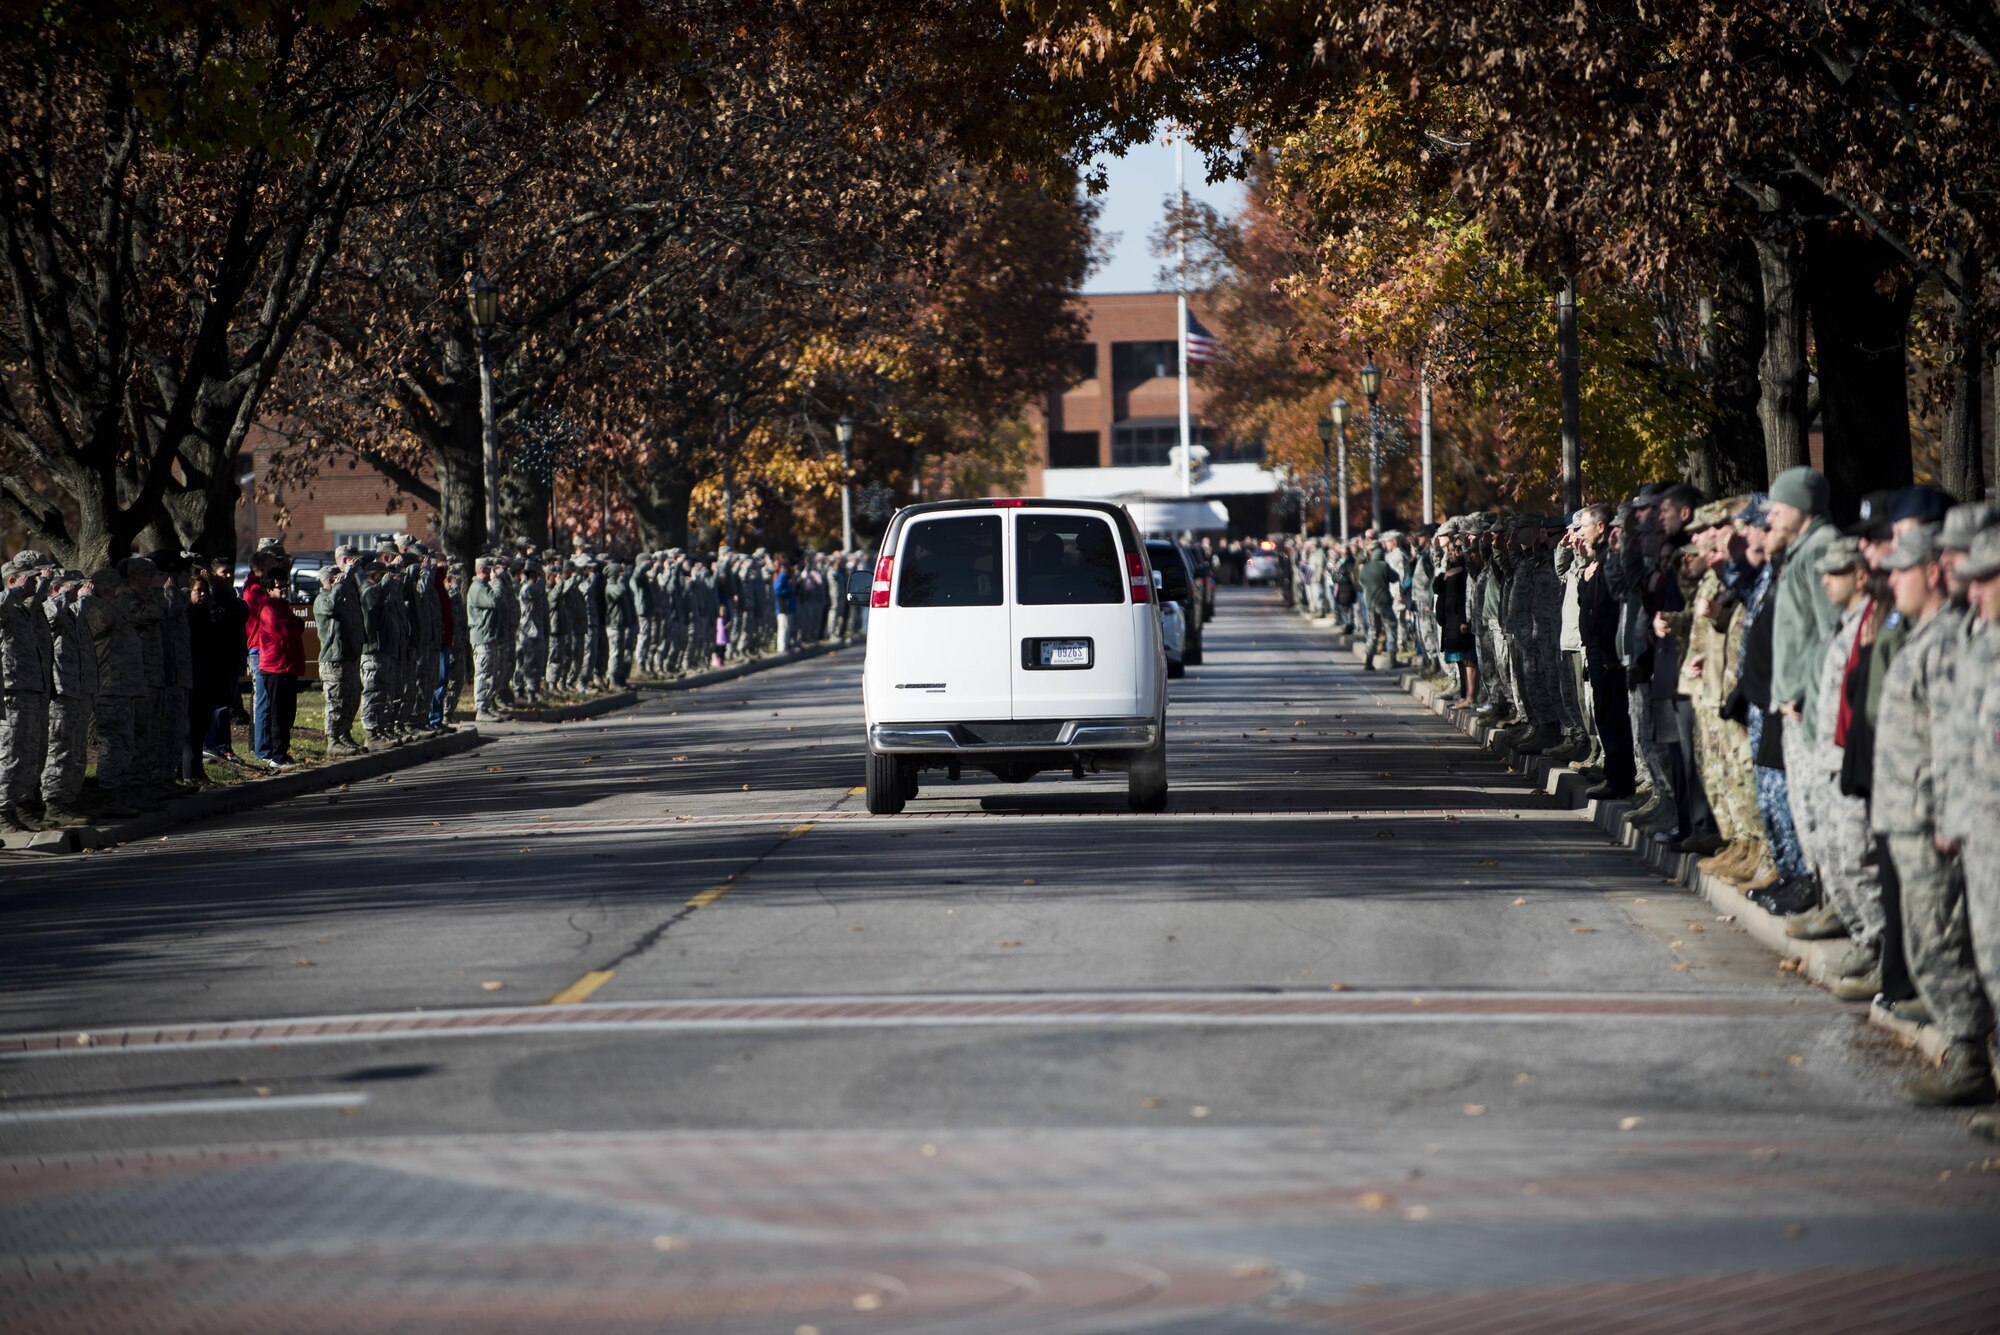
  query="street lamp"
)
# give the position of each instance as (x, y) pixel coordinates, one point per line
(843, 431)
(1340, 426)
(484, 306)
(1326, 467)
(1371, 385)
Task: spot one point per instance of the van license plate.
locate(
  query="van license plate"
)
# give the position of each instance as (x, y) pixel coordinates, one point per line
(1065, 653)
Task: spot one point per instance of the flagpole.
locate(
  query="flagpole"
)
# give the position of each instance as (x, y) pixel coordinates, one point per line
(1187, 432)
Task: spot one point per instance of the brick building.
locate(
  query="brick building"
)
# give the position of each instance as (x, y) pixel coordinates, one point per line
(1112, 433)
(346, 501)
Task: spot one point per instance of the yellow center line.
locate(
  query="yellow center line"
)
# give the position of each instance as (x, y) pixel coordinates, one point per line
(582, 987)
(596, 978)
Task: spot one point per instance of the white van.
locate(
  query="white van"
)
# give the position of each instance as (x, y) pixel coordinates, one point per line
(1013, 636)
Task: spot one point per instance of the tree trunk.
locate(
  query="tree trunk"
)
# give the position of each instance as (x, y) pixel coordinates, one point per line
(661, 498)
(1860, 293)
(1732, 458)
(1781, 361)
(1961, 461)
(524, 505)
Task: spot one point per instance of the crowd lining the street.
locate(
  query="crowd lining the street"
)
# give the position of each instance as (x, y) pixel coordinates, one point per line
(141, 665)
(1815, 712)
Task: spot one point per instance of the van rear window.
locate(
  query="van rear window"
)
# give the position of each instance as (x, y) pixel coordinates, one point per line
(1067, 559)
(950, 563)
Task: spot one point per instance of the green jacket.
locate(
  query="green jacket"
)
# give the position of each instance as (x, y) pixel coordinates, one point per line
(482, 611)
(1805, 622)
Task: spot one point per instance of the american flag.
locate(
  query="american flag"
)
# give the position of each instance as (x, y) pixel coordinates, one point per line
(1201, 345)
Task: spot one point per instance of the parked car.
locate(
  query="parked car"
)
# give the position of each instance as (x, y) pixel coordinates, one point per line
(1173, 630)
(1013, 636)
(1263, 565)
(1170, 559)
(1204, 579)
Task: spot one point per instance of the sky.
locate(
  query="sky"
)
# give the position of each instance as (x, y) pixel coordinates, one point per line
(1134, 207)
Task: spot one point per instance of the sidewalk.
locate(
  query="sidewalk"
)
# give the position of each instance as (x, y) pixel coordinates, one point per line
(1810, 959)
(222, 800)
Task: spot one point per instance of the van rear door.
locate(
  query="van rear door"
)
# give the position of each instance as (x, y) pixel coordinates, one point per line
(1075, 653)
(946, 644)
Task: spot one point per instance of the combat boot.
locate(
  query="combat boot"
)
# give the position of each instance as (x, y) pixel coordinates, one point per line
(14, 821)
(1745, 865)
(61, 815)
(1985, 1124)
(1963, 1075)
(1862, 987)
(1857, 962)
(1911, 1010)
(1763, 880)
(1819, 925)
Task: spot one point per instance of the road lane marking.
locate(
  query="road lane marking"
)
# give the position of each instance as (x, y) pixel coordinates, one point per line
(582, 987)
(709, 896)
(1302, 1008)
(100, 1111)
(798, 830)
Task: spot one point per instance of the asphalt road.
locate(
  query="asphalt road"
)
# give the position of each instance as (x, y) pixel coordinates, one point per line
(642, 1023)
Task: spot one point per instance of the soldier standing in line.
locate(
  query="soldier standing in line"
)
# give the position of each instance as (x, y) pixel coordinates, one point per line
(337, 614)
(1711, 678)
(1936, 935)
(24, 691)
(1579, 736)
(576, 622)
(73, 699)
(532, 650)
(461, 642)
(1848, 874)
(378, 648)
(506, 583)
(618, 611)
(1970, 765)
(1373, 578)
(645, 600)
(483, 619)
(120, 689)
(597, 646)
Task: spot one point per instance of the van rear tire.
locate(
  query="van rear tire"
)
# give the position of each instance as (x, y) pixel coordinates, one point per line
(1146, 781)
(885, 785)
(1192, 657)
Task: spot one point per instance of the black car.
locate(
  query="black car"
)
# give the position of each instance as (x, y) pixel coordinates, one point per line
(1177, 582)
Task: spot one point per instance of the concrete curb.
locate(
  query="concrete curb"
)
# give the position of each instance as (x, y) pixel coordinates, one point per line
(735, 670)
(1567, 786)
(583, 709)
(245, 796)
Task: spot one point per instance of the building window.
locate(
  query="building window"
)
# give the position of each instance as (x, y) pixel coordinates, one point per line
(1144, 361)
(1144, 443)
(358, 539)
(1082, 362)
(1072, 449)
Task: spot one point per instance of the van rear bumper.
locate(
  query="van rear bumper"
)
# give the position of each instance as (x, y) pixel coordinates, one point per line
(1096, 734)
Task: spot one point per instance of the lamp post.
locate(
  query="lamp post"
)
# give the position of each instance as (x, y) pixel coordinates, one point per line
(843, 431)
(1340, 427)
(1326, 467)
(484, 306)
(1371, 385)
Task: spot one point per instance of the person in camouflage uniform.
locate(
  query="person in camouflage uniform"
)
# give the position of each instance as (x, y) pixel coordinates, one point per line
(1969, 762)
(337, 616)
(1713, 633)
(24, 691)
(379, 633)
(72, 700)
(532, 648)
(1937, 937)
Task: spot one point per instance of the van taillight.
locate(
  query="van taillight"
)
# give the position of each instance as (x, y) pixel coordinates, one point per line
(878, 595)
(1142, 583)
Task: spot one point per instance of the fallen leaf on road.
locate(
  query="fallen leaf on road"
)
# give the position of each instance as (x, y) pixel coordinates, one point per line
(1338, 987)
(524, 850)
(1489, 862)
(1197, 1111)
(1630, 1123)
(490, 769)
(1031, 881)
(1374, 1200)
(1795, 1230)
(1789, 965)
(1385, 834)
(491, 985)
(857, 929)
(1251, 1270)
(84, 1040)
(1682, 967)
(302, 964)
(1475, 1110)
(1148, 1101)
(1519, 902)
(928, 1151)
(263, 1091)
(1796, 1059)
(1763, 1155)
(867, 1302)
(1417, 1213)
(746, 787)
(667, 1242)
(1582, 931)
(1524, 1079)
(1008, 945)
(678, 759)
(1675, 944)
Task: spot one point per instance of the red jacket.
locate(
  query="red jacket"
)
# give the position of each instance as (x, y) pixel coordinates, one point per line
(274, 633)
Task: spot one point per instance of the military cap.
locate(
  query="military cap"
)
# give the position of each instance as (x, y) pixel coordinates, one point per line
(1962, 523)
(385, 545)
(274, 545)
(1926, 505)
(66, 578)
(1982, 561)
(579, 562)
(137, 565)
(21, 563)
(1756, 511)
(108, 575)
(485, 563)
(1914, 547)
(1839, 555)
(1715, 514)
